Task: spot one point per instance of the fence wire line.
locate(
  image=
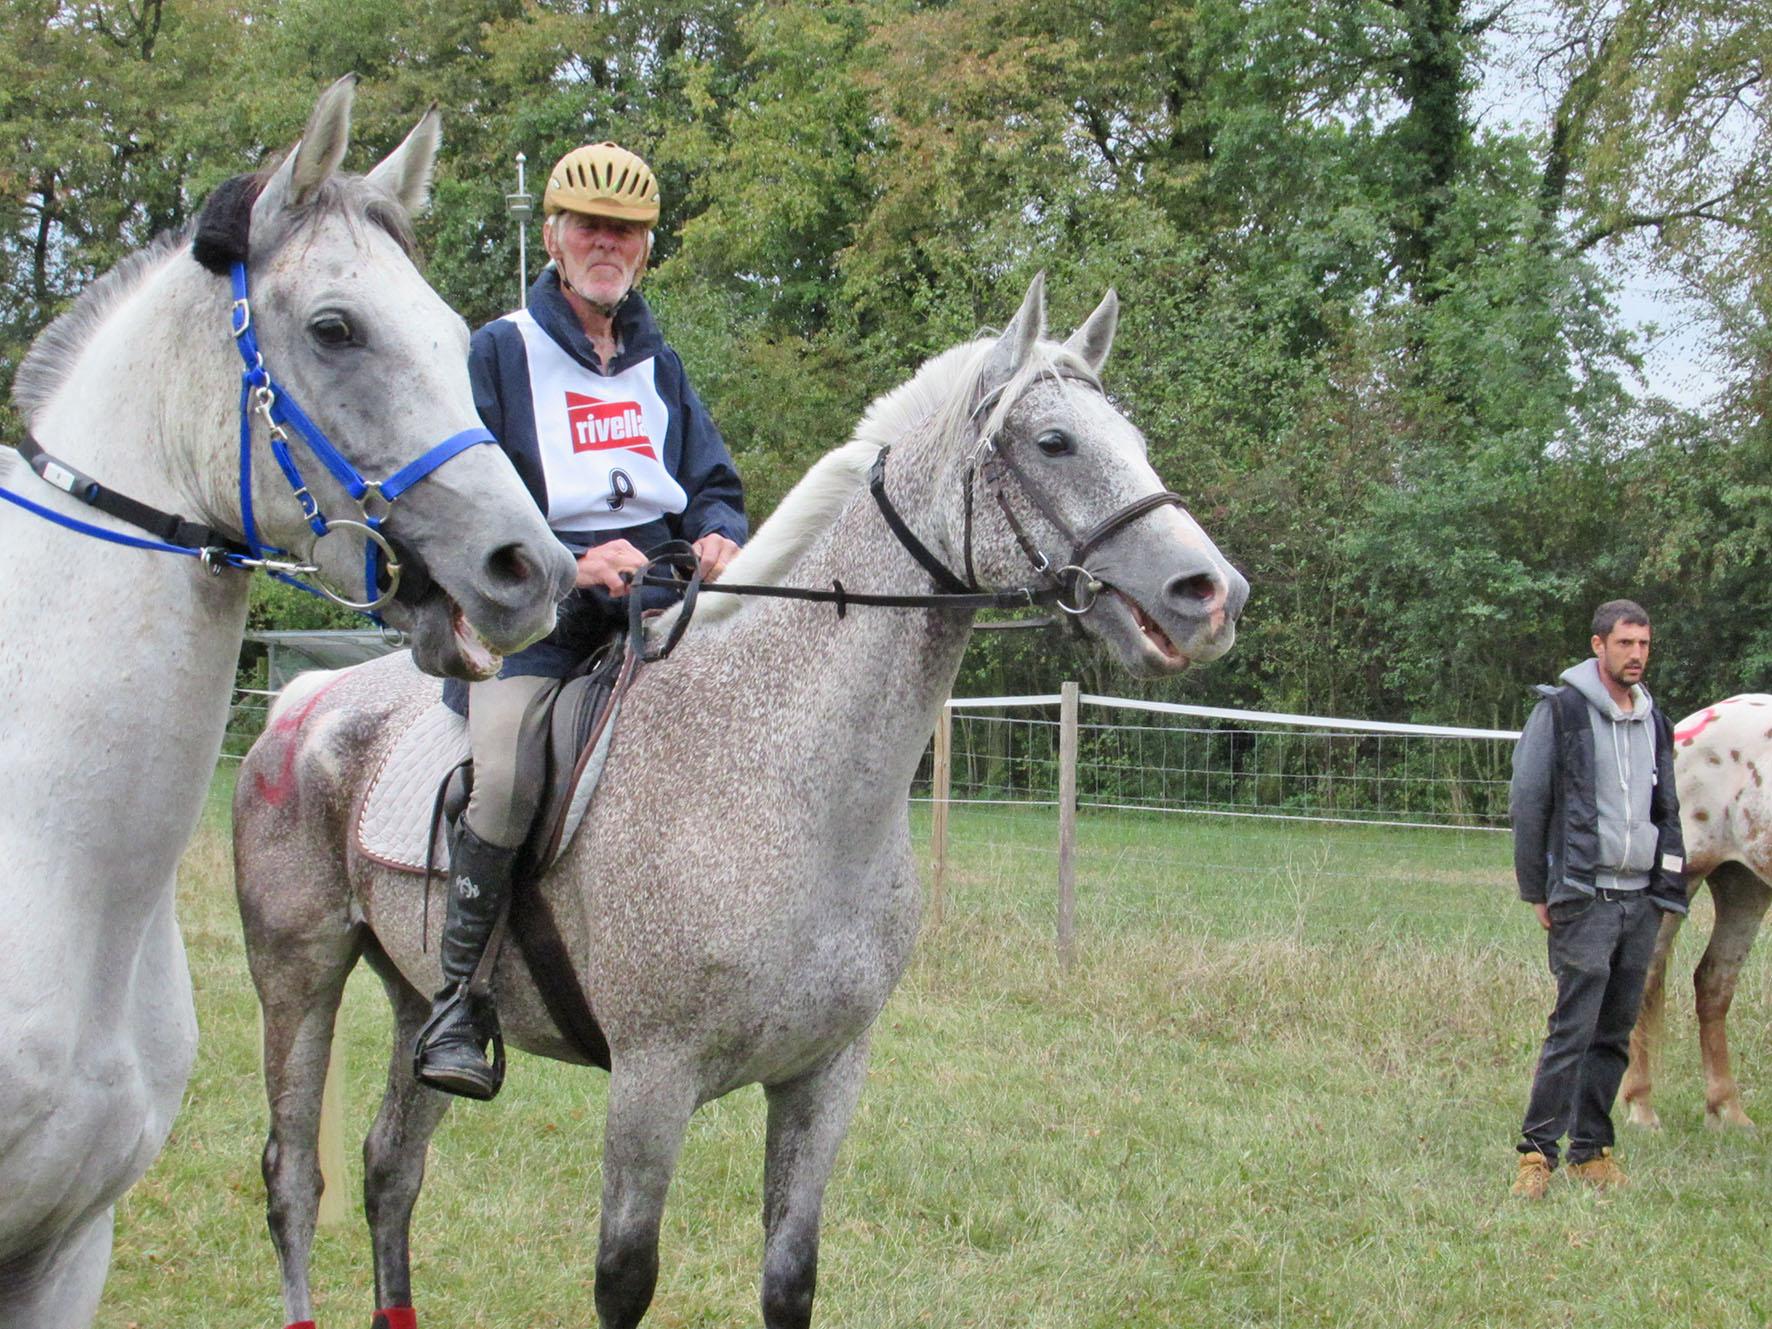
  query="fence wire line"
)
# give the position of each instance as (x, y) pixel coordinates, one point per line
(1335, 772)
(1308, 769)
(1223, 713)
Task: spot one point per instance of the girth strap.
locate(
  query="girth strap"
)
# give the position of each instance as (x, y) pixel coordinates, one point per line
(550, 965)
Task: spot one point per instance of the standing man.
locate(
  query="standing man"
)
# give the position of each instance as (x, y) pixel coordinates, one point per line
(594, 410)
(1598, 856)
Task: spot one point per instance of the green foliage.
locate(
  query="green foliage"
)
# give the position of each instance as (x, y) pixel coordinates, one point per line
(1367, 340)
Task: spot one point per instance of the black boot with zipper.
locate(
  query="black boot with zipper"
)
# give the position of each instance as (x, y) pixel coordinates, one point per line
(450, 1051)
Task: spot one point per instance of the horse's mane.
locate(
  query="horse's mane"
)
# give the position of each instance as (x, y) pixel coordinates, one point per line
(944, 395)
(52, 355)
(55, 352)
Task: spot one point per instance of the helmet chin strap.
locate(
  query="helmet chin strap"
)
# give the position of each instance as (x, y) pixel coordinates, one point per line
(607, 310)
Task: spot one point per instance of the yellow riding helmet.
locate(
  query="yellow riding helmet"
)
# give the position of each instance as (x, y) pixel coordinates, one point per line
(604, 180)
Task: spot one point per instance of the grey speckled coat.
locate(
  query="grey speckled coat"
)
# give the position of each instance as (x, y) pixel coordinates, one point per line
(754, 930)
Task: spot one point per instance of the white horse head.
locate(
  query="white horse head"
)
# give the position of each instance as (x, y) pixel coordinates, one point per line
(351, 331)
(1072, 478)
(1023, 436)
(346, 312)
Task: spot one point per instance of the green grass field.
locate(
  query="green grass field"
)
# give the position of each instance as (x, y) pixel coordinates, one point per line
(1279, 1088)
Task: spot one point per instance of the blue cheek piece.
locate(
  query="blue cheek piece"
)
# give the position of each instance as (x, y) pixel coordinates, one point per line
(288, 416)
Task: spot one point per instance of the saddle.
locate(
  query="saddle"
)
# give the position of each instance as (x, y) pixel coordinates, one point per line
(427, 771)
(424, 781)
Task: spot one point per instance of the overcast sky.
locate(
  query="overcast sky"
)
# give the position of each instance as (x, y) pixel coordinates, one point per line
(1671, 331)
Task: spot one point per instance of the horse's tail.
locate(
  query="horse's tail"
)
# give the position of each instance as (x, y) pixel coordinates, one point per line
(335, 1205)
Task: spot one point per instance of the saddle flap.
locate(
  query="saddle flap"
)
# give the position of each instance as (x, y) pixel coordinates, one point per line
(394, 820)
(578, 740)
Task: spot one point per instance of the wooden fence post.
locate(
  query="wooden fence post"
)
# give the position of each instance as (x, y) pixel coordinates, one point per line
(1067, 825)
(938, 821)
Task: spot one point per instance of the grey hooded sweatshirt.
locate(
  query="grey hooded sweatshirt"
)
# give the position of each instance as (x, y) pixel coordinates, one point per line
(1624, 775)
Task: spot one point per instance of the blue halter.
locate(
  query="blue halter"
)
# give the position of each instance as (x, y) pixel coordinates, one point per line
(260, 392)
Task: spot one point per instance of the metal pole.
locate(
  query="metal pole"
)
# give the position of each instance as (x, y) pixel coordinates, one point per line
(522, 207)
(1067, 825)
(938, 823)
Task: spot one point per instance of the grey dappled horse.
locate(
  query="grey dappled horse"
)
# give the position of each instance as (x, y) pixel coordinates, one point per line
(755, 938)
(117, 661)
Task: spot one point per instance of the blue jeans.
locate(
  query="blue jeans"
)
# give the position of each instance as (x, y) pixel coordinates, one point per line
(1599, 955)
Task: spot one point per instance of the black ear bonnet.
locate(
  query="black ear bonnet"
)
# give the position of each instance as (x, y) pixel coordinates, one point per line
(224, 227)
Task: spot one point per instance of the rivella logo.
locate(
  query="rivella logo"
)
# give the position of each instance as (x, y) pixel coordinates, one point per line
(598, 425)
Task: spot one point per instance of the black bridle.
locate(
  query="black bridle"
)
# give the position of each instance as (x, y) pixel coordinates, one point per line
(1070, 585)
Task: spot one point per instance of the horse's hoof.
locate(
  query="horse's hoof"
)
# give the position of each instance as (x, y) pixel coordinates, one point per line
(1727, 1117)
(1643, 1117)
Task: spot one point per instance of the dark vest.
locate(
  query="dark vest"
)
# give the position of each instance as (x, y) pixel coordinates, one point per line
(1575, 813)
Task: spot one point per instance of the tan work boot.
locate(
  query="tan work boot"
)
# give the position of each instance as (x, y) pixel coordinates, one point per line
(1533, 1178)
(1601, 1172)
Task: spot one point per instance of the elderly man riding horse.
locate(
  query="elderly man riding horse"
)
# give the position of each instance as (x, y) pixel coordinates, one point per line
(595, 411)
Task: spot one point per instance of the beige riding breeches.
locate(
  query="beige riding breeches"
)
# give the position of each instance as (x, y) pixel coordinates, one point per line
(509, 768)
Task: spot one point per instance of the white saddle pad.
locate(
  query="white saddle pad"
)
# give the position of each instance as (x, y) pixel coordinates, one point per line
(395, 818)
(396, 814)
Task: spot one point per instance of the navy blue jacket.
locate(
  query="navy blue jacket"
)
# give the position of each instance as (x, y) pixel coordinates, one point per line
(693, 452)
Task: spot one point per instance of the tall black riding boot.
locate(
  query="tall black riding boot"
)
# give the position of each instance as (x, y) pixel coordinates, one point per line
(450, 1052)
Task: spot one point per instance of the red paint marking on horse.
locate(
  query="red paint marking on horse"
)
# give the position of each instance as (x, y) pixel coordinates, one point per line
(1690, 734)
(285, 729)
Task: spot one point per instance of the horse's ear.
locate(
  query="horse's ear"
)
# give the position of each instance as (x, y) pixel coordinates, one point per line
(1095, 338)
(317, 155)
(406, 171)
(1011, 350)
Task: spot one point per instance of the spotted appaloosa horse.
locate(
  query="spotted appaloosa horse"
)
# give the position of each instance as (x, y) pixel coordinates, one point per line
(1723, 767)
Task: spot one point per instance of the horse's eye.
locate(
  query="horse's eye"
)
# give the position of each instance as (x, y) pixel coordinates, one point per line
(1055, 443)
(332, 330)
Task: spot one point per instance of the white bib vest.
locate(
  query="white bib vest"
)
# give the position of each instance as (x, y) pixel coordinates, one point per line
(601, 438)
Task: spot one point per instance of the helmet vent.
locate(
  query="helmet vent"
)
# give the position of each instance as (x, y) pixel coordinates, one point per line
(603, 179)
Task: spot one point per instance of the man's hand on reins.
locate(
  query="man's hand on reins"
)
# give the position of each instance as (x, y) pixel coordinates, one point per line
(715, 552)
(603, 565)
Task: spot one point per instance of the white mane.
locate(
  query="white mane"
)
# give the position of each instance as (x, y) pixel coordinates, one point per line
(944, 391)
(53, 355)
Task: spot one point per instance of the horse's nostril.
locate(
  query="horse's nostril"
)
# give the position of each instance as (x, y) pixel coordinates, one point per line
(509, 566)
(1201, 586)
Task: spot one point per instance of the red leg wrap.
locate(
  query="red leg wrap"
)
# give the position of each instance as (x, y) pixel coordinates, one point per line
(302, 1324)
(395, 1317)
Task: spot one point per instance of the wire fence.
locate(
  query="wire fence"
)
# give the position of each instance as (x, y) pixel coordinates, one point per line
(247, 712)
(1167, 758)
(1141, 796)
